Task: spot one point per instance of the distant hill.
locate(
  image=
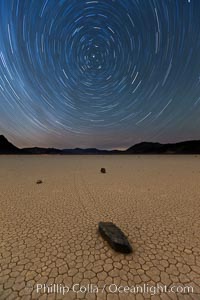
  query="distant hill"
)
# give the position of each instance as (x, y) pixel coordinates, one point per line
(38, 150)
(145, 148)
(89, 151)
(188, 147)
(6, 147)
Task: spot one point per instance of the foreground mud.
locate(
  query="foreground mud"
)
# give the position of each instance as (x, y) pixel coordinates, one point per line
(49, 236)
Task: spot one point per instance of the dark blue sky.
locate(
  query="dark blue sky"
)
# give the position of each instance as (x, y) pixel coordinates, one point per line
(104, 73)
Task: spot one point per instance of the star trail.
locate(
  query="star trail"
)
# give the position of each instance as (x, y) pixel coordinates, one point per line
(102, 73)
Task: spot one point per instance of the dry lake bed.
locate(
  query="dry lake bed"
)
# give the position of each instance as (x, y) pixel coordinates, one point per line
(50, 247)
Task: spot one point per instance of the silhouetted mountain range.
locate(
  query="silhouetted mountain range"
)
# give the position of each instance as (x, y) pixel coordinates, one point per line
(188, 147)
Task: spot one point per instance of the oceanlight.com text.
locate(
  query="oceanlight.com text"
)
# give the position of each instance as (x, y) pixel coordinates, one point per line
(113, 289)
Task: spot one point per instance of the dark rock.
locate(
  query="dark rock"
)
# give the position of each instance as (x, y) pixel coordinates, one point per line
(39, 181)
(115, 237)
(103, 170)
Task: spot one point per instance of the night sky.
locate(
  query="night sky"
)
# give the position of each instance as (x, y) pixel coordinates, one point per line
(105, 74)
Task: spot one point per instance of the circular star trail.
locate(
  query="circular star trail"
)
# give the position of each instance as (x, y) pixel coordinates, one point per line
(99, 73)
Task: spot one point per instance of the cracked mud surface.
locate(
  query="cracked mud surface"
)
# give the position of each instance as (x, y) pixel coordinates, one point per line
(48, 232)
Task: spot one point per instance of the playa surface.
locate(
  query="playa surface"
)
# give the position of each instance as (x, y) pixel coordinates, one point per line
(48, 231)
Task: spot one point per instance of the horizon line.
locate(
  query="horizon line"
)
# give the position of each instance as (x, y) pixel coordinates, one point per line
(103, 149)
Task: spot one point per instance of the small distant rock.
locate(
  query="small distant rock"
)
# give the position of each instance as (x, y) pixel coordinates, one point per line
(103, 170)
(115, 237)
(39, 181)
(188, 251)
